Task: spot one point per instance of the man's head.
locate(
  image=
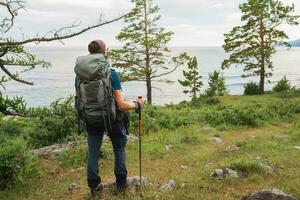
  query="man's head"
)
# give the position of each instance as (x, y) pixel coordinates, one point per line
(97, 46)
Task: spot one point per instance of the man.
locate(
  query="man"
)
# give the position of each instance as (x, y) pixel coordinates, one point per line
(97, 60)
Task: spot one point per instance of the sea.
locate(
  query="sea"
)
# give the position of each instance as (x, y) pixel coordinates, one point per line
(58, 80)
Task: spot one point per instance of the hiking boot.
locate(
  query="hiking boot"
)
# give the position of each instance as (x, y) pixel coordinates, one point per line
(121, 190)
(96, 192)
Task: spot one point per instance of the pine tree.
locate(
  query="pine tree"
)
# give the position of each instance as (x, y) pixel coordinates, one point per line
(253, 43)
(216, 84)
(144, 55)
(192, 79)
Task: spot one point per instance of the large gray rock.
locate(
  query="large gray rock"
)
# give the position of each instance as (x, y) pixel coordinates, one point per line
(269, 194)
(12, 117)
(54, 151)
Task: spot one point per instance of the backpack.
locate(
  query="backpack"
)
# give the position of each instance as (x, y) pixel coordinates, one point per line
(94, 100)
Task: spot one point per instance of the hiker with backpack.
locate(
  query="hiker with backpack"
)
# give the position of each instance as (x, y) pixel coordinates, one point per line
(101, 106)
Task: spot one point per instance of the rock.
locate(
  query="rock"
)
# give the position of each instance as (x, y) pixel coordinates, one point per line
(167, 187)
(72, 187)
(132, 182)
(297, 147)
(231, 173)
(218, 173)
(54, 151)
(12, 117)
(221, 173)
(232, 148)
(269, 194)
(184, 166)
(8, 117)
(217, 140)
(169, 147)
(207, 129)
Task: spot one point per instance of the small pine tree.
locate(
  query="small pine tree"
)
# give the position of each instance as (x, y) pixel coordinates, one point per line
(282, 85)
(216, 84)
(192, 79)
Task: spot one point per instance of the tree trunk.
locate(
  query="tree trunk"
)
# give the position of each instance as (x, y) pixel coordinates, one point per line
(262, 81)
(149, 91)
(263, 57)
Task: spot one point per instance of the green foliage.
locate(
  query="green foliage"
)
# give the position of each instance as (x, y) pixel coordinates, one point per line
(15, 163)
(190, 140)
(210, 100)
(282, 85)
(251, 88)
(54, 125)
(233, 115)
(253, 43)
(248, 165)
(144, 55)
(15, 128)
(287, 94)
(216, 84)
(156, 153)
(14, 105)
(250, 115)
(192, 79)
(74, 157)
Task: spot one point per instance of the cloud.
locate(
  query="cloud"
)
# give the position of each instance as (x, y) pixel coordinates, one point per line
(194, 22)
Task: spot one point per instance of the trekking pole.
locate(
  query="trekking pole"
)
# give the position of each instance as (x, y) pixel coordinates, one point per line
(140, 142)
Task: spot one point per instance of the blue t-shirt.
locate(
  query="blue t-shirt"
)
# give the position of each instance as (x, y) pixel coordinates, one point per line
(116, 82)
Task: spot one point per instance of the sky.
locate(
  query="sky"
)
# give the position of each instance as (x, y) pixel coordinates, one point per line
(194, 22)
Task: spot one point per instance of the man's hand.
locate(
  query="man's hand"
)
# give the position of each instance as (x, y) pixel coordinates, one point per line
(141, 101)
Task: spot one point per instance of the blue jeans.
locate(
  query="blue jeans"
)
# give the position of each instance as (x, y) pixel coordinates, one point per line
(118, 139)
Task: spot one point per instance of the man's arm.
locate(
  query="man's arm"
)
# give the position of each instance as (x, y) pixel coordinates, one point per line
(126, 105)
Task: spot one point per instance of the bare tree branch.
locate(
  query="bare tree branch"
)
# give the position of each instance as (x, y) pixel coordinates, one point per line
(12, 11)
(57, 37)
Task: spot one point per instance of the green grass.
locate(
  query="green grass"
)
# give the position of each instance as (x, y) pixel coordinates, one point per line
(191, 147)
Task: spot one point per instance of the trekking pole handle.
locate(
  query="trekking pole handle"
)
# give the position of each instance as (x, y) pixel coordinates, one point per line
(140, 108)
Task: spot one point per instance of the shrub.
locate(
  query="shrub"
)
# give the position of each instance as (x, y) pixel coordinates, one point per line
(233, 115)
(50, 130)
(211, 100)
(251, 89)
(248, 165)
(15, 163)
(287, 94)
(53, 125)
(282, 85)
(14, 128)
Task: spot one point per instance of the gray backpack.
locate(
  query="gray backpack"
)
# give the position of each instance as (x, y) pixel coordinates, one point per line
(94, 99)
